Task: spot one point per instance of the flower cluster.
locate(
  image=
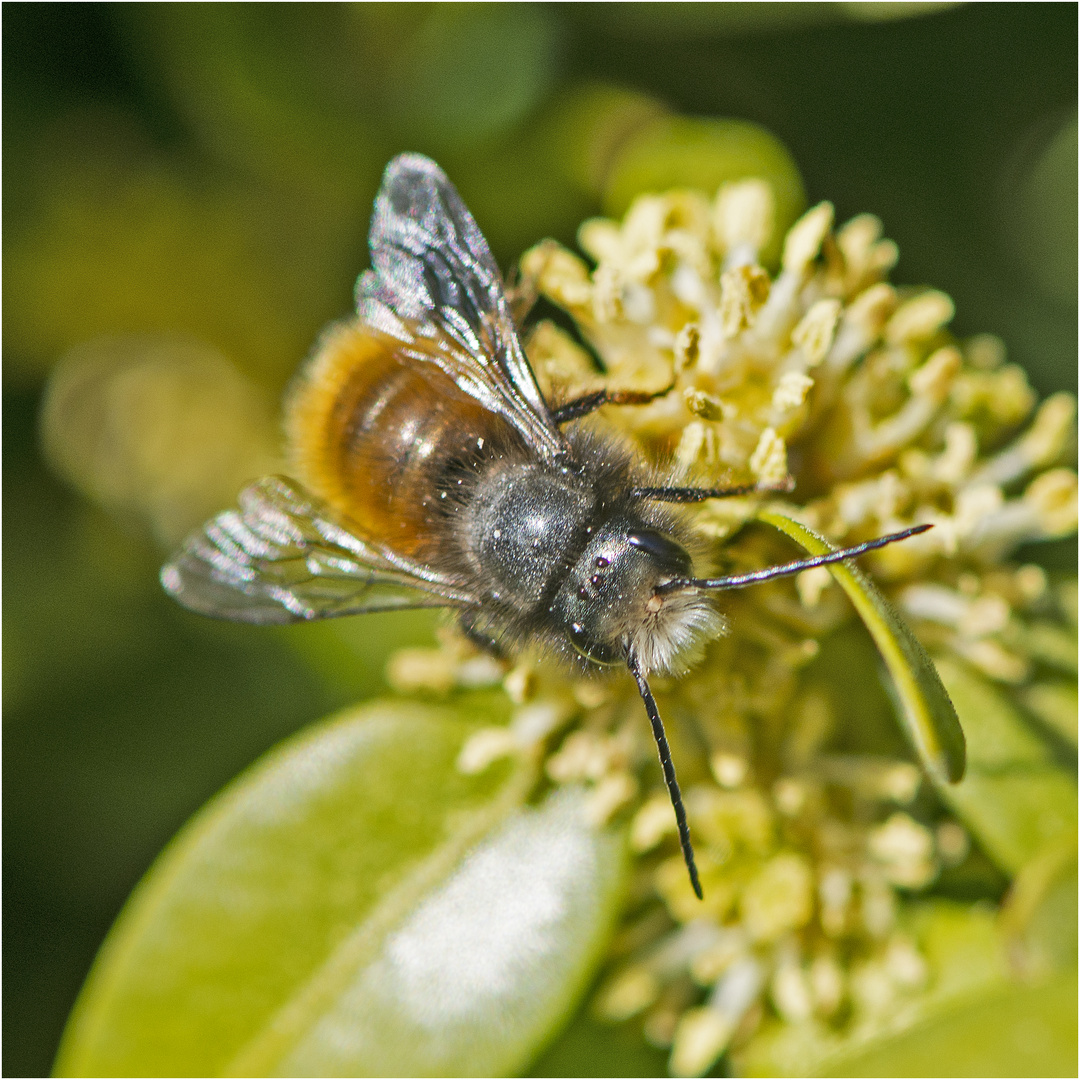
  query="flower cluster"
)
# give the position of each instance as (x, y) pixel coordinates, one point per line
(826, 373)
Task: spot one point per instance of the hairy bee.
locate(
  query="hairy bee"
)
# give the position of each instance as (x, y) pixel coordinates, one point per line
(432, 473)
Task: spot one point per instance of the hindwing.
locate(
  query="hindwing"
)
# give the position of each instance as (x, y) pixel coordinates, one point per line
(282, 557)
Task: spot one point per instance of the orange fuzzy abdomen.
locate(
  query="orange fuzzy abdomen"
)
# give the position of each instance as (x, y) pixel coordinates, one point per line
(372, 432)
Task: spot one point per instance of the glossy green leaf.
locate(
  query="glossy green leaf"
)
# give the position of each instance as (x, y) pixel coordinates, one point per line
(1015, 798)
(354, 905)
(925, 711)
(349, 657)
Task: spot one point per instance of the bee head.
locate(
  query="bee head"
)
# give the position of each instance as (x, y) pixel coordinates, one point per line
(609, 598)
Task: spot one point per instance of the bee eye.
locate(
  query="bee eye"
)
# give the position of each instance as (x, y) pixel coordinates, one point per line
(667, 554)
(601, 562)
(597, 580)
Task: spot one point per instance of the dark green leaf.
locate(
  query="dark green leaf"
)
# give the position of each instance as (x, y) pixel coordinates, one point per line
(590, 1048)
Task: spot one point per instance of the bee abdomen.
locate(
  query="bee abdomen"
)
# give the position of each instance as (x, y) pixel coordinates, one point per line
(374, 435)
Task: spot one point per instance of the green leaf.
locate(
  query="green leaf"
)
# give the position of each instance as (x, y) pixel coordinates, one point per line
(1056, 704)
(1020, 1031)
(1015, 798)
(923, 705)
(589, 1047)
(1039, 915)
(354, 905)
(1045, 642)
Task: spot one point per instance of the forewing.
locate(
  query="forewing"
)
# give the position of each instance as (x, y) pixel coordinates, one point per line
(282, 558)
(436, 288)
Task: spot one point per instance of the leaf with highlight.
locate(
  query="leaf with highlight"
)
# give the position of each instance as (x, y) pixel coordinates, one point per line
(354, 905)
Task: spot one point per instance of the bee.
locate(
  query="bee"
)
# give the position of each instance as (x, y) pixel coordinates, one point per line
(433, 473)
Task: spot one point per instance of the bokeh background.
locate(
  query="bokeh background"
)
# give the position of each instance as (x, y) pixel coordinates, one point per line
(186, 195)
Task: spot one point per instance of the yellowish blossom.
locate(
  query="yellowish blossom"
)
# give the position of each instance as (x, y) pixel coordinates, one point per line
(856, 389)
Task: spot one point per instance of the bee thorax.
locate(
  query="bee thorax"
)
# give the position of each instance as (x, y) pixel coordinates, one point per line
(519, 530)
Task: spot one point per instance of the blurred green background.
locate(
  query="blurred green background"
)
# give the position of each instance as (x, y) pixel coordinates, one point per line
(201, 176)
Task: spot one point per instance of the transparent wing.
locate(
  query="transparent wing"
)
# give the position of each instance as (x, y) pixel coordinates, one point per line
(282, 558)
(436, 288)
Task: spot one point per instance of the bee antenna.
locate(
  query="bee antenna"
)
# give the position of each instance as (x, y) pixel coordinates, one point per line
(735, 581)
(668, 768)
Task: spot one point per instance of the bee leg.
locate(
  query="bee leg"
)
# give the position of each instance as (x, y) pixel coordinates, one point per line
(587, 403)
(480, 638)
(692, 494)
